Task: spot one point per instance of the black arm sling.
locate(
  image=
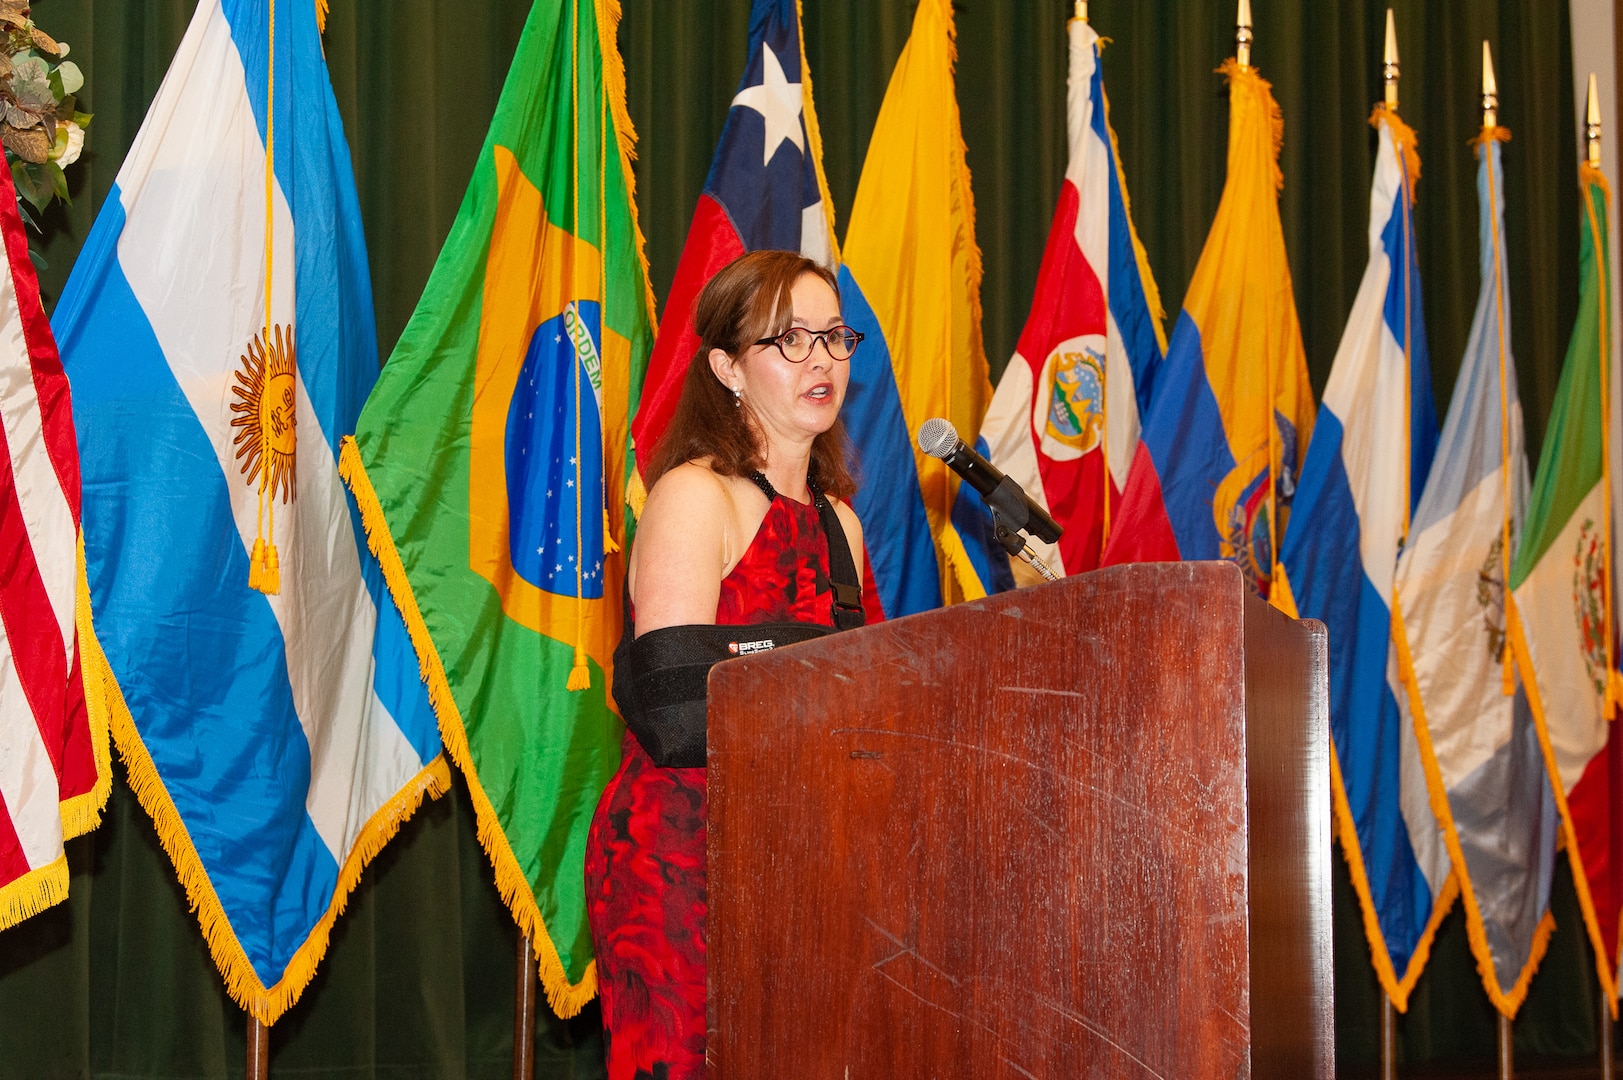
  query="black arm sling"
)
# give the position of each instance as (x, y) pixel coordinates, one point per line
(661, 678)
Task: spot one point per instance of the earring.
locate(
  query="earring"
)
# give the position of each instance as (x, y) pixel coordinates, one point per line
(738, 398)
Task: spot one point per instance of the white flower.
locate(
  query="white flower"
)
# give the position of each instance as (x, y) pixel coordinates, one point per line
(70, 140)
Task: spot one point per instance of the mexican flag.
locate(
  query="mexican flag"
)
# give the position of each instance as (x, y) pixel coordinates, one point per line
(490, 466)
(1561, 623)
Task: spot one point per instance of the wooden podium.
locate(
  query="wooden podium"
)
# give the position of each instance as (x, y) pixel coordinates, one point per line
(1077, 830)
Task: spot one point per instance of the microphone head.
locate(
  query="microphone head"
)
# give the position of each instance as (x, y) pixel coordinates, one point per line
(937, 437)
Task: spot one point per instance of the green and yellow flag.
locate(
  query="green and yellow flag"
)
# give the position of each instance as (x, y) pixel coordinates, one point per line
(490, 463)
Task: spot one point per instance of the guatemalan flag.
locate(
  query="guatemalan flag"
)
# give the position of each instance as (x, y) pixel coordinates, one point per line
(1481, 768)
(1232, 407)
(1372, 447)
(1094, 333)
(218, 332)
(766, 190)
(911, 283)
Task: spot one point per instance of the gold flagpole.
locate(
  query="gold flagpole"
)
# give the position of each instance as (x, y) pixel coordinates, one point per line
(1389, 63)
(1243, 35)
(1490, 133)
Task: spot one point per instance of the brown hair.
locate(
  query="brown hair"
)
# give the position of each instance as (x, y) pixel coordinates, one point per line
(750, 298)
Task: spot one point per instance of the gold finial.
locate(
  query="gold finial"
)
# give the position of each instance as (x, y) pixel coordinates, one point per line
(1490, 90)
(1080, 10)
(1592, 123)
(1243, 35)
(1389, 63)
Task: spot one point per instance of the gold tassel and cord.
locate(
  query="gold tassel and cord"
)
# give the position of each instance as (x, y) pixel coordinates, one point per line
(264, 565)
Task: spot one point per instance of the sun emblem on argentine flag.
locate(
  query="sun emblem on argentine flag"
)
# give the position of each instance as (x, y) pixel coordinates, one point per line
(267, 396)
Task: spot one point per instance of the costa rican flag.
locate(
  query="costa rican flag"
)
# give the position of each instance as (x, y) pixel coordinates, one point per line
(766, 190)
(1064, 421)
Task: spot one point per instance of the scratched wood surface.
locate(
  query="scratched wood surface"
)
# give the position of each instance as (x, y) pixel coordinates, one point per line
(1010, 839)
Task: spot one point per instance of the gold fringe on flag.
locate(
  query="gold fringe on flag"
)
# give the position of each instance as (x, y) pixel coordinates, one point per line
(83, 812)
(565, 998)
(265, 1004)
(1507, 1002)
(34, 892)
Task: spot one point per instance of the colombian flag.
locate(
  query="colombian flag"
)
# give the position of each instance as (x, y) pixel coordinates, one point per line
(488, 458)
(1232, 408)
(911, 282)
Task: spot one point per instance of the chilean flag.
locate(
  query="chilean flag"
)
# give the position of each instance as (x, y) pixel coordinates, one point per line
(765, 191)
(1066, 412)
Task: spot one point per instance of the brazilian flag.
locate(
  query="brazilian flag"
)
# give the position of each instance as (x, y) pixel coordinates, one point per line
(490, 462)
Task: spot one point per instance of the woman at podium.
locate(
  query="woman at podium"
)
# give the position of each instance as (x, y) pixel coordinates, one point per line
(746, 542)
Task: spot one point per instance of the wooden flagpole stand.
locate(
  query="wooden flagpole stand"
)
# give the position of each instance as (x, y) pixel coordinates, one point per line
(1607, 1069)
(1507, 1049)
(524, 974)
(258, 1059)
(1389, 1039)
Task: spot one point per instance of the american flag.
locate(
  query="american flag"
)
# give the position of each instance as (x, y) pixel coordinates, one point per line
(53, 773)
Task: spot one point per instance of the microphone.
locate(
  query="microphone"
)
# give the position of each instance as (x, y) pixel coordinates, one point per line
(939, 439)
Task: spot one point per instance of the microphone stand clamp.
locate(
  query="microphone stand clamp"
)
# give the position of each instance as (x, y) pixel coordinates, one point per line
(1015, 544)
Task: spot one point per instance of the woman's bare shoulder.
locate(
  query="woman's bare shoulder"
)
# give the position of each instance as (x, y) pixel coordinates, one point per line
(692, 487)
(848, 518)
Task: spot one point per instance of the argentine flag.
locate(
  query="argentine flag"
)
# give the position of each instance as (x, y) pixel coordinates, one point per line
(1372, 447)
(1480, 767)
(277, 738)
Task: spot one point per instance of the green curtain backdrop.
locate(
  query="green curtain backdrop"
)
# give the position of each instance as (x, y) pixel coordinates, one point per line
(418, 981)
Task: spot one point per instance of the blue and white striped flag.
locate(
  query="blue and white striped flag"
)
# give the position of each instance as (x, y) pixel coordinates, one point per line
(1372, 448)
(276, 731)
(1482, 771)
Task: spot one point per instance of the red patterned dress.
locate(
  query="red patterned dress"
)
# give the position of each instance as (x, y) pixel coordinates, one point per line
(645, 854)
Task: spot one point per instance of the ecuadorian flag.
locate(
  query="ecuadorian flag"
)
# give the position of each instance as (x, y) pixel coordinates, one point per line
(1232, 407)
(490, 455)
(911, 282)
(219, 336)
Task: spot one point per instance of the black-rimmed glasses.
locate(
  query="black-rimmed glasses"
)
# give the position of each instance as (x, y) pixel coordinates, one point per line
(797, 342)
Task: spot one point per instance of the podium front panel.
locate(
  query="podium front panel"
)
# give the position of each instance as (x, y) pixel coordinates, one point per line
(1003, 839)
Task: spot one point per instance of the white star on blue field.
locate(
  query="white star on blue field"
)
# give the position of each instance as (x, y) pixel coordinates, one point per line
(543, 467)
(762, 173)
